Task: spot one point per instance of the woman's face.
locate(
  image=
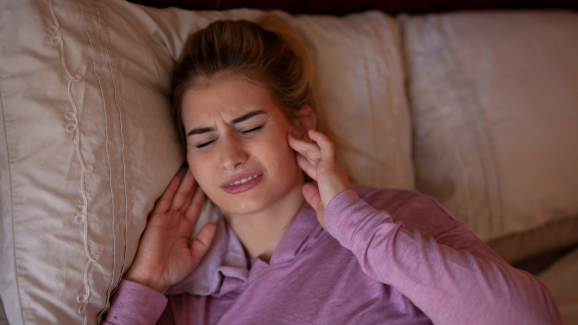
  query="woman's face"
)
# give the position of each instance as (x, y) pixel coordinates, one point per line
(237, 145)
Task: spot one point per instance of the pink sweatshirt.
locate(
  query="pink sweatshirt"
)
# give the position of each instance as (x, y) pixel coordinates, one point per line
(390, 257)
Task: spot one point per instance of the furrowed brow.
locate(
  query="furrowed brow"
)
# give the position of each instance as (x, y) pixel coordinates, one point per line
(239, 119)
(246, 116)
(200, 131)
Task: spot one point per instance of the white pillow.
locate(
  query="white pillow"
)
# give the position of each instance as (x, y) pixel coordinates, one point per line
(72, 214)
(359, 68)
(124, 54)
(495, 113)
(3, 319)
(561, 279)
(359, 64)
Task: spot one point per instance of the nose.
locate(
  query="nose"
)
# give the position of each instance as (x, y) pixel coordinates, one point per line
(233, 154)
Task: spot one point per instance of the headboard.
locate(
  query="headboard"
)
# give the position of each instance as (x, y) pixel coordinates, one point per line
(343, 7)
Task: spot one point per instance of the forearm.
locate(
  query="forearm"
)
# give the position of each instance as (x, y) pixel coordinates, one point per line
(451, 286)
(134, 303)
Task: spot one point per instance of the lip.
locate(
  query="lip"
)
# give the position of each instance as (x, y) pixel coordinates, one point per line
(242, 187)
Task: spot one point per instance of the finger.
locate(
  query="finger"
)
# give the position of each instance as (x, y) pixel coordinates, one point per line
(301, 146)
(306, 166)
(311, 194)
(183, 191)
(307, 149)
(298, 134)
(313, 197)
(194, 209)
(165, 201)
(327, 149)
(202, 242)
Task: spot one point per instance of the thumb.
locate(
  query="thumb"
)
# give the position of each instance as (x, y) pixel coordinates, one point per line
(312, 196)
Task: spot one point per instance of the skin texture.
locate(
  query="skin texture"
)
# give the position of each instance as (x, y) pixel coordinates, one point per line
(233, 149)
(317, 159)
(265, 144)
(163, 257)
(257, 145)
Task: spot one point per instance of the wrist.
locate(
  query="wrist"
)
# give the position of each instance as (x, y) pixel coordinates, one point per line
(335, 208)
(130, 276)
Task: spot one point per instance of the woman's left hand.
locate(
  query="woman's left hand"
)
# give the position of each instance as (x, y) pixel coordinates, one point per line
(317, 159)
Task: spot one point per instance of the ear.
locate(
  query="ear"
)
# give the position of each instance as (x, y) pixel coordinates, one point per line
(306, 119)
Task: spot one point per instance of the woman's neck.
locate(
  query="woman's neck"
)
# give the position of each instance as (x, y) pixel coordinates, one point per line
(261, 232)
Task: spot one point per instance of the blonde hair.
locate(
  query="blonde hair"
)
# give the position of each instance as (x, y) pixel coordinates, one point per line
(270, 54)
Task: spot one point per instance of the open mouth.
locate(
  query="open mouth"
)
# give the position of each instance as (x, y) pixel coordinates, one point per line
(244, 180)
(242, 183)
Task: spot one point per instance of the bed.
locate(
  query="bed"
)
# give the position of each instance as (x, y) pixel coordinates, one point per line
(475, 108)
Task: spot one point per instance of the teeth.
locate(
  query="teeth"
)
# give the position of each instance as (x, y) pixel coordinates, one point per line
(244, 180)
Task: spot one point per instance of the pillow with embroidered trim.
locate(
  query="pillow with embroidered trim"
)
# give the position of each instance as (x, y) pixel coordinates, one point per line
(87, 146)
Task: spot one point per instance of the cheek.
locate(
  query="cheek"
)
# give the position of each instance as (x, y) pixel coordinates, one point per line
(199, 170)
(278, 153)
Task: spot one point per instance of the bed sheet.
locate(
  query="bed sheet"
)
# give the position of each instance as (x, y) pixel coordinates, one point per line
(562, 279)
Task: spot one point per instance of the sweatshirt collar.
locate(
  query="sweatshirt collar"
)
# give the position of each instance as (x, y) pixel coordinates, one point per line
(295, 238)
(225, 268)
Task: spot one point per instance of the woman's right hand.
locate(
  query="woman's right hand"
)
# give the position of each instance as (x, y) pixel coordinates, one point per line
(163, 257)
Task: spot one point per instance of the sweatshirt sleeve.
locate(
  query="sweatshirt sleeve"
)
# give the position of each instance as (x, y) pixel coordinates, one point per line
(134, 303)
(453, 277)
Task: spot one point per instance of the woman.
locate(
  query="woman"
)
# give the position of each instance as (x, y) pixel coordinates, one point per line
(293, 252)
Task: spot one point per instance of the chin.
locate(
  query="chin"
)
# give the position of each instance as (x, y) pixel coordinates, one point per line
(253, 201)
(245, 205)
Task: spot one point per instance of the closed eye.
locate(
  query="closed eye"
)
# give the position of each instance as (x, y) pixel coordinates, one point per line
(243, 132)
(252, 130)
(205, 144)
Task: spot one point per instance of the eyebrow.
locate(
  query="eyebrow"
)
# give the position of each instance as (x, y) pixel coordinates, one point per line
(200, 130)
(234, 121)
(246, 116)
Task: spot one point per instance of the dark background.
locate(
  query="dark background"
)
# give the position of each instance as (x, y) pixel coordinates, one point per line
(342, 7)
